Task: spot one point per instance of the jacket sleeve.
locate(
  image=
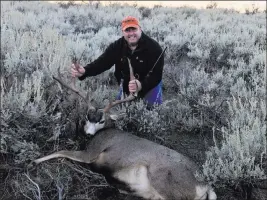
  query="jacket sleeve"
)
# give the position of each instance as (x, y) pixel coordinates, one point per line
(102, 63)
(155, 76)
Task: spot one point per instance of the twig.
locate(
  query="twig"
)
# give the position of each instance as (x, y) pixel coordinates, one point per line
(36, 185)
(60, 191)
(80, 171)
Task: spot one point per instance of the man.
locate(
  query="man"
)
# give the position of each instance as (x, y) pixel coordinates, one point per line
(143, 53)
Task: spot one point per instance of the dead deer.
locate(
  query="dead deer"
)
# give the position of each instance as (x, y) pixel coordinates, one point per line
(135, 165)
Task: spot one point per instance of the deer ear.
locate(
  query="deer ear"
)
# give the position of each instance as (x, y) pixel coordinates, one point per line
(114, 117)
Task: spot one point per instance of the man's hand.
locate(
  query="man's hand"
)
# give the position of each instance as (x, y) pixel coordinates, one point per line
(77, 70)
(134, 86)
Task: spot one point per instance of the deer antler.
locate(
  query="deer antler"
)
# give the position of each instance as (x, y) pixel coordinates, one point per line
(131, 97)
(131, 70)
(114, 103)
(72, 88)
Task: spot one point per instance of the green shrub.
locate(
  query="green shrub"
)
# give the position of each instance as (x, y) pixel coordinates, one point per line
(241, 156)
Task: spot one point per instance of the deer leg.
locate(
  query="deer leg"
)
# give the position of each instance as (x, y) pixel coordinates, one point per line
(80, 156)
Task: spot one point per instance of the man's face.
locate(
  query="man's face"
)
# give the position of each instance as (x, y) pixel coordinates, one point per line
(132, 35)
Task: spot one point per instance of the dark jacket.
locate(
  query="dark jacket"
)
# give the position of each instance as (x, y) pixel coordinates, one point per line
(142, 59)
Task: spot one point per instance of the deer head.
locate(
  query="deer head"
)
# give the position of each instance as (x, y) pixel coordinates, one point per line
(97, 119)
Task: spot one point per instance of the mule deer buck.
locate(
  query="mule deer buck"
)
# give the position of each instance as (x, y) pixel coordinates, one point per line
(135, 165)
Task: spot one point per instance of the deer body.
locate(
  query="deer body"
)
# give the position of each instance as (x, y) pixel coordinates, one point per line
(140, 167)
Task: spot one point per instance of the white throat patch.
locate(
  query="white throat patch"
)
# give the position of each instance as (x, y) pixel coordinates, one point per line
(92, 128)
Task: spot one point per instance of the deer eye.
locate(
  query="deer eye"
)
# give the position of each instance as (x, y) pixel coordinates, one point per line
(102, 122)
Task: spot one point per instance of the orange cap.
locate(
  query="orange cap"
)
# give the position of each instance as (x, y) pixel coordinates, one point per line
(129, 22)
